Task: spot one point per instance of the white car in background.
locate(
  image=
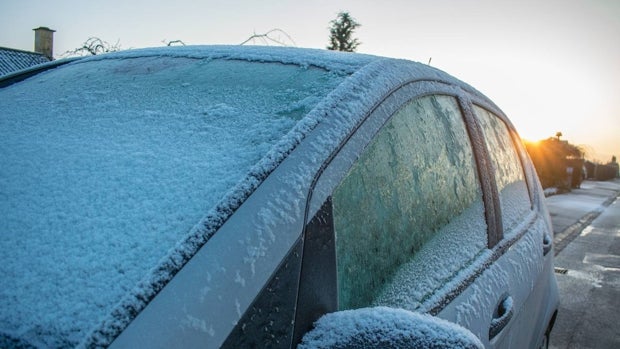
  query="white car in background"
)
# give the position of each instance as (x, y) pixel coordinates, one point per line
(261, 197)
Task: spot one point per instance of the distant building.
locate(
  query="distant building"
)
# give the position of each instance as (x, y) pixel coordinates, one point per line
(13, 60)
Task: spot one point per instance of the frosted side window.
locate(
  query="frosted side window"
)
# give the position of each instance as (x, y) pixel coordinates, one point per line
(413, 186)
(513, 193)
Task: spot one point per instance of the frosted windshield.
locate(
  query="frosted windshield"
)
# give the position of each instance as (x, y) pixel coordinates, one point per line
(108, 164)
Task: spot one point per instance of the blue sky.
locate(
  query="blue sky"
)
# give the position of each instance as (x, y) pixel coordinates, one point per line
(551, 65)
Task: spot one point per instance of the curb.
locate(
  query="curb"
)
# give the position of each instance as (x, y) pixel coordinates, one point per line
(565, 237)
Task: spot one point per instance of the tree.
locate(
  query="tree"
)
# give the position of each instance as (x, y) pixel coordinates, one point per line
(551, 157)
(173, 42)
(341, 33)
(94, 46)
(276, 36)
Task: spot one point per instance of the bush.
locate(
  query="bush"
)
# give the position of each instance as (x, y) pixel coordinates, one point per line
(552, 159)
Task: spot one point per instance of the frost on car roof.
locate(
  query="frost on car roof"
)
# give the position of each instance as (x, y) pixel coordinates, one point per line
(117, 168)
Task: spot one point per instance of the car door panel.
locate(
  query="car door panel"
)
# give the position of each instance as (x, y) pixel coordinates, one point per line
(520, 253)
(512, 267)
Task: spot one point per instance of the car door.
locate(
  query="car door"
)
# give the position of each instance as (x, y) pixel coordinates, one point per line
(526, 234)
(518, 279)
(401, 211)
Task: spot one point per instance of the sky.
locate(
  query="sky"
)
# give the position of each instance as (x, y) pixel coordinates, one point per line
(550, 65)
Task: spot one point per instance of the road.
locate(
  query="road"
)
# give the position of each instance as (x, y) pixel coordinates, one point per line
(587, 226)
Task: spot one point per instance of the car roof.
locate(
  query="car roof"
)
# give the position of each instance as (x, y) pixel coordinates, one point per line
(330, 84)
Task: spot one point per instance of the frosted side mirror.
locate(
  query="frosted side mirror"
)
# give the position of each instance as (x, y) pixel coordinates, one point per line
(383, 327)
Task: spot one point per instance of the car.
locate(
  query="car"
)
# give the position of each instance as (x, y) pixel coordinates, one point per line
(266, 197)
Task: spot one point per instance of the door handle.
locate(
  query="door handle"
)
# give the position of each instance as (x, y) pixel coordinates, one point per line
(547, 243)
(501, 317)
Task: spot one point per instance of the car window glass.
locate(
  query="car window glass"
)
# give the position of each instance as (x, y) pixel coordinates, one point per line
(513, 193)
(408, 215)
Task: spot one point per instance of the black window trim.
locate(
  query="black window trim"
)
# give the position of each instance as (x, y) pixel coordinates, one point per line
(318, 267)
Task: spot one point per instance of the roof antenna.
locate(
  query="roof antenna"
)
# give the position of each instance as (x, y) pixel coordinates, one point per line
(429, 60)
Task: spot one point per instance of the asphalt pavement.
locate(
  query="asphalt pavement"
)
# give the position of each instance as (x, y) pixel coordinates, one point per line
(586, 224)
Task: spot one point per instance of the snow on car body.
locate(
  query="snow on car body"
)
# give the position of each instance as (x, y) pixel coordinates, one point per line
(230, 196)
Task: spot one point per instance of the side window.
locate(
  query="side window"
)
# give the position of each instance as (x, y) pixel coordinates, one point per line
(408, 216)
(513, 192)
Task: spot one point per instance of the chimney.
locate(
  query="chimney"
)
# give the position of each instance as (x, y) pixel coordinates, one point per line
(44, 41)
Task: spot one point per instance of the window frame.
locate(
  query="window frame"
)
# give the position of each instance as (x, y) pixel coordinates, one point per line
(332, 172)
(536, 206)
(371, 124)
(414, 228)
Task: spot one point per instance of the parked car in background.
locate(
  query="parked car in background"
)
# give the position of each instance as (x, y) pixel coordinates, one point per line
(248, 197)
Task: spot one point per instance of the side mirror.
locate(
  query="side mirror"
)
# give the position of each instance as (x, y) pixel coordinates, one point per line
(383, 327)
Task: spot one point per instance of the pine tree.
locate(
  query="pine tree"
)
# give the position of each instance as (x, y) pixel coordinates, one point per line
(341, 32)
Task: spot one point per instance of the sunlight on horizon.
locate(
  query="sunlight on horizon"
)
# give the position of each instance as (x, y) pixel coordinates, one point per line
(550, 66)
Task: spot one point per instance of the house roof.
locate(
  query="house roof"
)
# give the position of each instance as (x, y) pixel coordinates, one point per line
(13, 60)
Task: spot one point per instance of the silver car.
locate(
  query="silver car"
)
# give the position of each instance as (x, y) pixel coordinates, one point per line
(261, 197)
